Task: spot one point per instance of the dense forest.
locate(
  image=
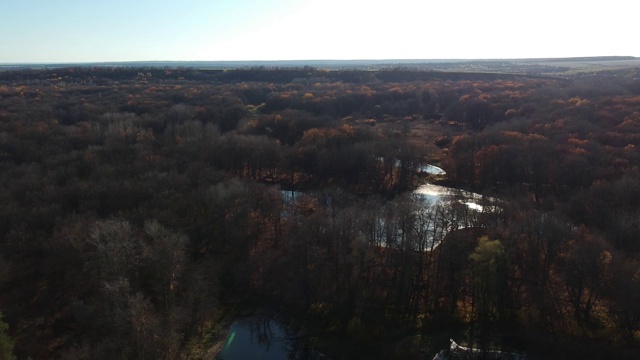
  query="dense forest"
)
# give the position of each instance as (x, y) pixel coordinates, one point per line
(141, 207)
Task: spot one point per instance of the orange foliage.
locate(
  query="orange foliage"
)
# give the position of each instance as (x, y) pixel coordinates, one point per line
(464, 98)
(577, 142)
(577, 101)
(514, 135)
(577, 151)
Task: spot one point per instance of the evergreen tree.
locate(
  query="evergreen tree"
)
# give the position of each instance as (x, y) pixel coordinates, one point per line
(6, 343)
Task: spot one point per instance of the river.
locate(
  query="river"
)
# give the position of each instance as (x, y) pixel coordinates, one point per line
(456, 209)
(436, 193)
(264, 338)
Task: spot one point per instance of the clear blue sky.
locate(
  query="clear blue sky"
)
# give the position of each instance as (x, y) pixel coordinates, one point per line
(127, 30)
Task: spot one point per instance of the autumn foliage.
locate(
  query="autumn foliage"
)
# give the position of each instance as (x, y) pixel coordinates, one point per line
(140, 205)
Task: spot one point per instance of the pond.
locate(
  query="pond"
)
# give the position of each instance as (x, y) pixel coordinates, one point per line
(263, 338)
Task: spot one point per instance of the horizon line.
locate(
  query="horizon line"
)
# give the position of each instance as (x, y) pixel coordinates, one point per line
(389, 60)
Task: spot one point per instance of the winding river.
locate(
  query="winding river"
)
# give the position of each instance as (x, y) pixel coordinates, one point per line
(267, 339)
(436, 193)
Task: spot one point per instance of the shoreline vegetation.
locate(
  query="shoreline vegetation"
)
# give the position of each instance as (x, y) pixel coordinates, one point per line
(142, 208)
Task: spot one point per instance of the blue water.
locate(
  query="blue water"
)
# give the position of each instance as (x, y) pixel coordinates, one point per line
(258, 338)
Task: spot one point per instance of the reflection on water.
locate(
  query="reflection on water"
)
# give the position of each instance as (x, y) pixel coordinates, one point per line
(256, 338)
(432, 170)
(436, 210)
(263, 338)
(436, 193)
(290, 196)
(427, 169)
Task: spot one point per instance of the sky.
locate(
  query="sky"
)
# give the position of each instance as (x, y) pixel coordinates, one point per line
(55, 31)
